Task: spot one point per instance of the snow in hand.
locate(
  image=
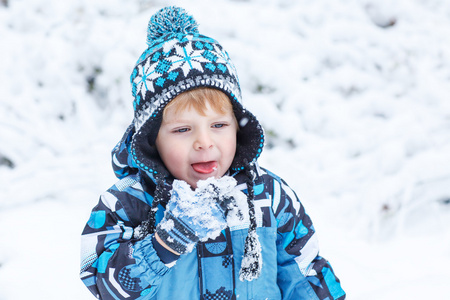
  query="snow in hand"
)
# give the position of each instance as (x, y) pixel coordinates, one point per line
(200, 207)
(209, 207)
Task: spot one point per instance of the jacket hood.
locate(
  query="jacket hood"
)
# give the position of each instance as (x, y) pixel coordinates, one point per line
(122, 162)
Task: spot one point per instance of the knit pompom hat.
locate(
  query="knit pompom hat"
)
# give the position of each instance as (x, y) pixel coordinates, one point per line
(179, 59)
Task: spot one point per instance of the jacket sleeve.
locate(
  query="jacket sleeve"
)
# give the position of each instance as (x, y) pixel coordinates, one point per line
(302, 272)
(114, 264)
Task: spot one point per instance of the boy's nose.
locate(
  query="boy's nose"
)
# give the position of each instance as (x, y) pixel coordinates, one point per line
(203, 141)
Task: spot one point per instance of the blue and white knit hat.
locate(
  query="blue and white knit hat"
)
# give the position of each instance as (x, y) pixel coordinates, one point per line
(179, 59)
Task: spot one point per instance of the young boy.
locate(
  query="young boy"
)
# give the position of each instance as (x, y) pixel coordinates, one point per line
(193, 216)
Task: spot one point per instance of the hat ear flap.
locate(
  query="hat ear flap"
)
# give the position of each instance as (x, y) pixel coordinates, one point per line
(150, 151)
(143, 148)
(250, 138)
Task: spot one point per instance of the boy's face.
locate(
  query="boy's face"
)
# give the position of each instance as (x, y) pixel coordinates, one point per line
(195, 147)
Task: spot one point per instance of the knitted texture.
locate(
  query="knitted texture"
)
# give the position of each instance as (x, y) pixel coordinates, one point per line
(252, 261)
(171, 19)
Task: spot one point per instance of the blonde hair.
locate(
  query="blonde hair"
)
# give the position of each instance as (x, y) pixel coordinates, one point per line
(198, 98)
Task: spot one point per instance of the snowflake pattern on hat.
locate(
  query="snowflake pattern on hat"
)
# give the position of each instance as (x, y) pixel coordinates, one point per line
(168, 67)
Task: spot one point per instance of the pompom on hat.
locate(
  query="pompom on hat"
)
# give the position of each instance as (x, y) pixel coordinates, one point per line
(179, 59)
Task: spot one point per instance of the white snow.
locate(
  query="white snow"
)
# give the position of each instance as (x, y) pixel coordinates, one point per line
(237, 211)
(201, 206)
(355, 111)
(168, 225)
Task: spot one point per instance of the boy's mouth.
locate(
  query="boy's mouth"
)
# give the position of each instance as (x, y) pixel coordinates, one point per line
(205, 167)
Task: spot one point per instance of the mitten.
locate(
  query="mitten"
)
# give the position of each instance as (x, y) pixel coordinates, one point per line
(191, 216)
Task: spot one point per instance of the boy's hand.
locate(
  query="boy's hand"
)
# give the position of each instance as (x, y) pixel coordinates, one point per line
(196, 215)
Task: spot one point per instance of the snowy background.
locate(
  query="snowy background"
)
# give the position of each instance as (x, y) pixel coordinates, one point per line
(353, 95)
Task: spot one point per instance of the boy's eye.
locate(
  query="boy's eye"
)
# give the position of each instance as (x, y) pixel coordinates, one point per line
(180, 130)
(220, 125)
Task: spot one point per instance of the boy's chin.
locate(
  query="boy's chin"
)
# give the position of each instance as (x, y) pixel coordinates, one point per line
(193, 181)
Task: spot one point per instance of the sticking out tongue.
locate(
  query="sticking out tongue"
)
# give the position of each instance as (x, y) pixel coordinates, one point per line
(205, 167)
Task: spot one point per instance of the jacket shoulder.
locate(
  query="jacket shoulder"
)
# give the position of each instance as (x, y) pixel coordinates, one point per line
(281, 193)
(130, 198)
(268, 177)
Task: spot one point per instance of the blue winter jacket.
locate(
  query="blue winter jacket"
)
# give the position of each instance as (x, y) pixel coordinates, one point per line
(116, 264)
